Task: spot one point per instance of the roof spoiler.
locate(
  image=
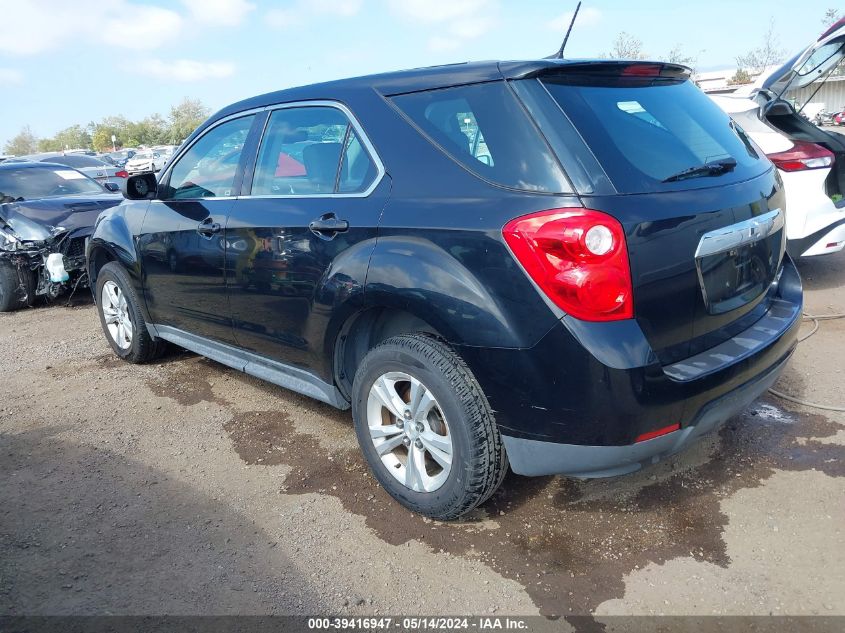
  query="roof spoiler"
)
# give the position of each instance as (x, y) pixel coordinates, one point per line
(609, 69)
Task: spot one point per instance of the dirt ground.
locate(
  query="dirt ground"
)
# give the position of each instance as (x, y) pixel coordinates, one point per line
(184, 487)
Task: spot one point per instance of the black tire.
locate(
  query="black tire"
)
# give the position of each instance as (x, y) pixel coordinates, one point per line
(143, 347)
(478, 462)
(12, 297)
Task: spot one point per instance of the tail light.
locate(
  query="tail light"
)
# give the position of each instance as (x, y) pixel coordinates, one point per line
(121, 174)
(578, 258)
(802, 156)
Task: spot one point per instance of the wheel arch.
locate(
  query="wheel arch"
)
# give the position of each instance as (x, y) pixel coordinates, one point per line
(364, 330)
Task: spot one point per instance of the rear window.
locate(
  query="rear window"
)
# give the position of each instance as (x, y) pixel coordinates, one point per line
(74, 160)
(485, 129)
(644, 132)
(31, 183)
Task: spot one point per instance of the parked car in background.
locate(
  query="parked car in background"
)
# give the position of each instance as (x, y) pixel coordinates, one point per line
(145, 161)
(91, 166)
(120, 157)
(839, 118)
(47, 211)
(579, 301)
(810, 160)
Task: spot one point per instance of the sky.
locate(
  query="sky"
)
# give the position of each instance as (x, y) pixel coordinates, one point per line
(76, 61)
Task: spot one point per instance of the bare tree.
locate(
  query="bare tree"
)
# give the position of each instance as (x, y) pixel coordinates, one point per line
(831, 17)
(679, 56)
(767, 54)
(626, 46)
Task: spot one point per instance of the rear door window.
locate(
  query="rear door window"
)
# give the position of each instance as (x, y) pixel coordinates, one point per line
(485, 129)
(645, 132)
(312, 151)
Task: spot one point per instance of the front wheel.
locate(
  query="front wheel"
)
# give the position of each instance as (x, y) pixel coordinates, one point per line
(17, 287)
(121, 317)
(426, 428)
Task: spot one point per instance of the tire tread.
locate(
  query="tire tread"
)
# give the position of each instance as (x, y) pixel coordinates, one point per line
(487, 465)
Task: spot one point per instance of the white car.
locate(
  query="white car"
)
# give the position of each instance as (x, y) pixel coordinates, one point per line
(145, 161)
(810, 160)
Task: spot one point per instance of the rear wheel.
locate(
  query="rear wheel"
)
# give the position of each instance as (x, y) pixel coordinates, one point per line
(121, 317)
(425, 427)
(17, 287)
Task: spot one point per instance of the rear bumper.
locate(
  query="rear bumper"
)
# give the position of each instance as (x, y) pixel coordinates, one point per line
(576, 402)
(830, 239)
(533, 458)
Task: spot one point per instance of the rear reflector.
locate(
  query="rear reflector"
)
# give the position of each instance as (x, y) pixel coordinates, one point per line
(802, 156)
(657, 433)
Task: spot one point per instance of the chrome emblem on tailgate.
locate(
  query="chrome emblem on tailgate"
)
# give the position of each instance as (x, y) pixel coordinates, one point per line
(739, 234)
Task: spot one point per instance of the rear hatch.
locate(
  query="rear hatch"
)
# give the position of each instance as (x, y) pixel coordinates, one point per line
(812, 64)
(701, 206)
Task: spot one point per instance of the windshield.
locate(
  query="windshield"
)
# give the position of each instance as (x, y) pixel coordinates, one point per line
(644, 133)
(142, 156)
(30, 183)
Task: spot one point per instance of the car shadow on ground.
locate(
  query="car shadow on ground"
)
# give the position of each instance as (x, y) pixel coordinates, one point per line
(89, 531)
(824, 272)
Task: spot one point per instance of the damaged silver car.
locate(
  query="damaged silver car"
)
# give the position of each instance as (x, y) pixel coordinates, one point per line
(47, 212)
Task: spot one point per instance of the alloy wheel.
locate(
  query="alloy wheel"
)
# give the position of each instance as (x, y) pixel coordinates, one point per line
(116, 315)
(409, 431)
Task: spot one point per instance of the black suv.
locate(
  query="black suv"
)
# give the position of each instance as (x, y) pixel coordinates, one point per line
(566, 267)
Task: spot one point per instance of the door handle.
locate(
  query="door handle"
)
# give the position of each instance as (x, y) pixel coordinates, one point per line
(327, 226)
(208, 227)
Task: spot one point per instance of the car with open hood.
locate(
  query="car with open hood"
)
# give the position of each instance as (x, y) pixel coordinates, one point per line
(47, 212)
(810, 160)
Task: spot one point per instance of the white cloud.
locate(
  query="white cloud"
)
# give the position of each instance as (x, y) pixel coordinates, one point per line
(10, 76)
(457, 21)
(219, 12)
(304, 10)
(145, 28)
(345, 8)
(283, 18)
(184, 69)
(432, 11)
(37, 26)
(588, 16)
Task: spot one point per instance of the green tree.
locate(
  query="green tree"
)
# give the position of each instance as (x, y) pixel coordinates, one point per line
(73, 137)
(24, 142)
(185, 118)
(740, 77)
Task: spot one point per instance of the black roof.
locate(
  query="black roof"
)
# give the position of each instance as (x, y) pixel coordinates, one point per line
(415, 79)
(8, 165)
(428, 78)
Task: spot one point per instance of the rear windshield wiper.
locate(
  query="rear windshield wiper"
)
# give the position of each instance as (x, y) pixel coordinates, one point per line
(713, 168)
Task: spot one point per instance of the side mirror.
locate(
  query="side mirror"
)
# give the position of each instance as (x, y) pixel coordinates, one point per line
(111, 186)
(141, 187)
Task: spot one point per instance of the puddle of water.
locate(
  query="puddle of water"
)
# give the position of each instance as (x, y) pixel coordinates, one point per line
(771, 412)
(569, 543)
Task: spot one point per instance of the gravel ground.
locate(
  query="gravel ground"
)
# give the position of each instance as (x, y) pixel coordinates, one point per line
(184, 487)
